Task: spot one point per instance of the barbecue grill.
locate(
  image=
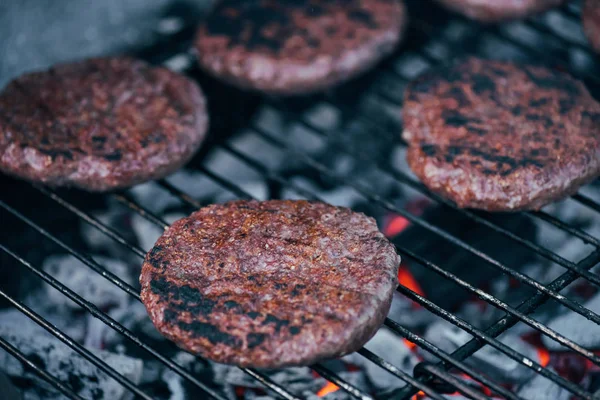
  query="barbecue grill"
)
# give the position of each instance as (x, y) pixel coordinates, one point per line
(48, 221)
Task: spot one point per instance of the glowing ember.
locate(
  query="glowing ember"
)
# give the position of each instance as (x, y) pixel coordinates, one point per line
(395, 225)
(418, 396)
(411, 346)
(407, 280)
(328, 388)
(544, 356)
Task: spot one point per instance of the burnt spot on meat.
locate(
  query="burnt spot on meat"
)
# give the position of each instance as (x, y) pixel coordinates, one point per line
(114, 156)
(454, 118)
(364, 17)
(255, 339)
(232, 305)
(517, 110)
(253, 314)
(423, 84)
(554, 81)
(477, 131)
(268, 25)
(294, 330)
(565, 105)
(429, 149)
(54, 154)
(593, 117)
(482, 83)
(170, 316)
(184, 298)
(279, 323)
(99, 139)
(539, 152)
(504, 165)
(459, 95)
(547, 122)
(210, 332)
(154, 257)
(538, 102)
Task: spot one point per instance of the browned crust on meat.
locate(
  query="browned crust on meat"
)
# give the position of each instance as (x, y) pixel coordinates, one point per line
(499, 10)
(500, 137)
(270, 284)
(591, 22)
(294, 47)
(99, 124)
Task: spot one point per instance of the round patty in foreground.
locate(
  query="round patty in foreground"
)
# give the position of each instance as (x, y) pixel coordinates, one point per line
(591, 22)
(294, 47)
(499, 10)
(500, 136)
(99, 124)
(270, 284)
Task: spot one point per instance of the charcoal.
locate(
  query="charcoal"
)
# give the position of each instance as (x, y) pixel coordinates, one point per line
(541, 388)
(388, 346)
(86, 282)
(449, 337)
(460, 262)
(60, 361)
(576, 327)
(8, 390)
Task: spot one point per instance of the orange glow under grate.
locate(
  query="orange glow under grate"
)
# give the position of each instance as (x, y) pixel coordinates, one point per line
(408, 280)
(396, 225)
(328, 388)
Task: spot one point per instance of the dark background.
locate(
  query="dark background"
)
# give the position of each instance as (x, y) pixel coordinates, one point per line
(37, 33)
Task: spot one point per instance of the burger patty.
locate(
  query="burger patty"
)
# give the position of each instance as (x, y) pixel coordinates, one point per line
(292, 47)
(270, 284)
(99, 124)
(500, 136)
(591, 22)
(499, 10)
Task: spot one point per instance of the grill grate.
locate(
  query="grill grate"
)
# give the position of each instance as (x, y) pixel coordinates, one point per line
(434, 379)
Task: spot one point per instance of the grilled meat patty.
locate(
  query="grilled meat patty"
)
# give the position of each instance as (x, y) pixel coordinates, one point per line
(293, 47)
(591, 22)
(499, 10)
(99, 124)
(500, 136)
(270, 284)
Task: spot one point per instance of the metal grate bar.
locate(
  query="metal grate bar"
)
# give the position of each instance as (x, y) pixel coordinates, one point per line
(16, 353)
(179, 194)
(127, 201)
(401, 177)
(586, 201)
(353, 390)
(138, 251)
(584, 236)
(332, 377)
(75, 346)
(268, 382)
(87, 260)
(88, 218)
(451, 379)
(526, 307)
(266, 172)
(448, 359)
(499, 304)
(366, 352)
(503, 306)
(482, 336)
(486, 296)
(399, 373)
(573, 305)
(113, 324)
(531, 322)
(242, 194)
